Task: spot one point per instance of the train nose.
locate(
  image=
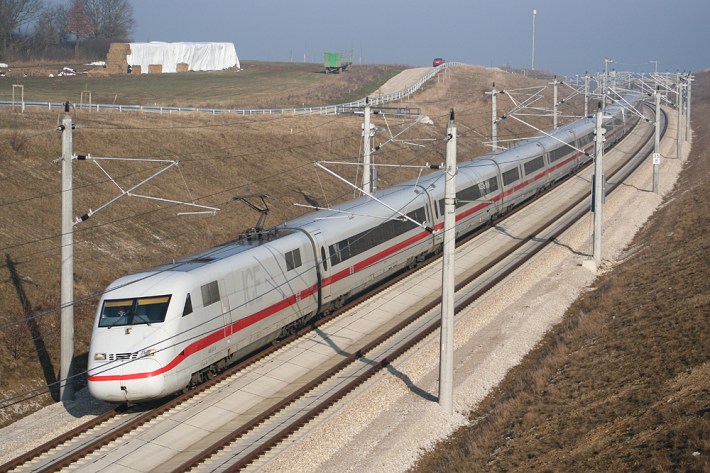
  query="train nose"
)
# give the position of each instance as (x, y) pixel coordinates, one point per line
(139, 380)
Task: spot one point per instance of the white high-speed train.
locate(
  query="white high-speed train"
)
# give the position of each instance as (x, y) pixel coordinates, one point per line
(159, 331)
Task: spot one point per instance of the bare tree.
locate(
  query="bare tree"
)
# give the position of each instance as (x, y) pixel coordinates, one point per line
(78, 23)
(14, 14)
(110, 19)
(50, 30)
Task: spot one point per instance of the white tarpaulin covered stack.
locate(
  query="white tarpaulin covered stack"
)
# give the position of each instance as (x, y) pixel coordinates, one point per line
(197, 56)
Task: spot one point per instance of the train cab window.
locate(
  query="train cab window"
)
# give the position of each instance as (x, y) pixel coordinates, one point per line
(210, 293)
(533, 165)
(511, 176)
(136, 311)
(293, 259)
(188, 306)
(150, 310)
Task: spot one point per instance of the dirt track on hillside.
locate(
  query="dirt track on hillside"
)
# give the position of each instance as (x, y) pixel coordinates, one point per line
(402, 80)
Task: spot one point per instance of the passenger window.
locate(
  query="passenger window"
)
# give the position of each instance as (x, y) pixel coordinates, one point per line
(533, 165)
(210, 293)
(334, 254)
(511, 176)
(492, 184)
(293, 259)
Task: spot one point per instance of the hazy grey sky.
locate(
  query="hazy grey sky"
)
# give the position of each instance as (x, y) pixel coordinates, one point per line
(572, 36)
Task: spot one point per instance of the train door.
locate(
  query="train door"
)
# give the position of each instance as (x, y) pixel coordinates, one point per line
(323, 268)
(498, 199)
(226, 309)
(434, 216)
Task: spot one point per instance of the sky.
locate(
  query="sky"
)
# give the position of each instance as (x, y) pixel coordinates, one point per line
(571, 36)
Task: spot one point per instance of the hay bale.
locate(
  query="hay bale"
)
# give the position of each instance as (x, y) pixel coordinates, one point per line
(116, 58)
(183, 67)
(136, 70)
(155, 68)
(99, 72)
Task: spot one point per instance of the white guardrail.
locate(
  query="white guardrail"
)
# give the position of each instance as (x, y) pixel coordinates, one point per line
(324, 110)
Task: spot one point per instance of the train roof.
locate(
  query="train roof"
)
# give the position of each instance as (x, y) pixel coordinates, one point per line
(243, 243)
(365, 206)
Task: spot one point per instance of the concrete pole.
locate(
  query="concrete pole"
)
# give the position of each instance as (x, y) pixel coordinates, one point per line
(598, 187)
(605, 83)
(657, 143)
(494, 121)
(446, 364)
(687, 108)
(66, 386)
(586, 94)
(679, 109)
(532, 67)
(494, 117)
(554, 103)
(366, 175)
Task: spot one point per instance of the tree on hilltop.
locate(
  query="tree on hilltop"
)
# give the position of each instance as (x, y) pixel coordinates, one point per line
(13, 15)
(78, 23)
(111, 20)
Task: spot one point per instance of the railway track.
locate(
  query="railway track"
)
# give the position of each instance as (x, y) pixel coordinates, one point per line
(243, 443)
(235, 452)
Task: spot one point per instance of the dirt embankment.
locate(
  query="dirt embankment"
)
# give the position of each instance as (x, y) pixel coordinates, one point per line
(623, 383)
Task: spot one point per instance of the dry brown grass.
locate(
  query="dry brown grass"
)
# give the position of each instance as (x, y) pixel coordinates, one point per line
(220, 156)
(623, 382)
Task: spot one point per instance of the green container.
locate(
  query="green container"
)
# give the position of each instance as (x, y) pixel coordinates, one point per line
(332, 60)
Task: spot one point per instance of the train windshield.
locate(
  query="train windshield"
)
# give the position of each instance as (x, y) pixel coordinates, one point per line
(137, 311)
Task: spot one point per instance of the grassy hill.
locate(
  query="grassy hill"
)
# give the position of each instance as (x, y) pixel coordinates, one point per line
(255, 85)
(623, 382)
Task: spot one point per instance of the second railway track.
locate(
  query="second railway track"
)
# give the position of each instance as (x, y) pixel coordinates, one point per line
(220, 451)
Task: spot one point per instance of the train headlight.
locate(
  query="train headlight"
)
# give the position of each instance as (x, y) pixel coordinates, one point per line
(100, 356)
(147, 352)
